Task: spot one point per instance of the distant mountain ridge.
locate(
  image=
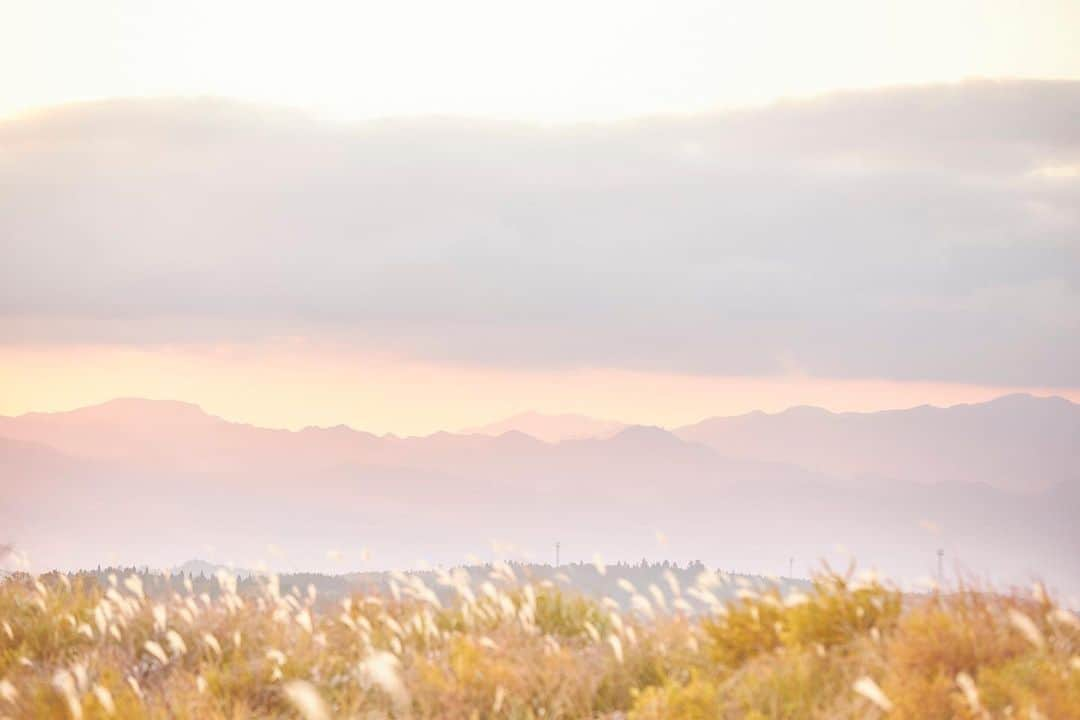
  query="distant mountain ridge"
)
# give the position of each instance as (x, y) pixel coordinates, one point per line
(1019, 443)
(1016, 442)
(551, 428)
(750, 491)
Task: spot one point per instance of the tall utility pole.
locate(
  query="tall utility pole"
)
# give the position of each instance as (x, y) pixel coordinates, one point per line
(557, 546)
(791, 567)
(940, 566)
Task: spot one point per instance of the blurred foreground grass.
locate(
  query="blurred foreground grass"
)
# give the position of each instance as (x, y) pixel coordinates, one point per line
(506, 648)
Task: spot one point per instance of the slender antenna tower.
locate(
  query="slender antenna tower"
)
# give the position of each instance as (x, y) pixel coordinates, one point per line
(791, 566)
(557, 546)
(940, 566)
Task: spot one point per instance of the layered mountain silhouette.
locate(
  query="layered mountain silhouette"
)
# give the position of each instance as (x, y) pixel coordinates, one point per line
(551, 428)
(1016, 442)
(153, 482)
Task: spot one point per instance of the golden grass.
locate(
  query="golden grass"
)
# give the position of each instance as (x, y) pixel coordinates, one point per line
(509, 649)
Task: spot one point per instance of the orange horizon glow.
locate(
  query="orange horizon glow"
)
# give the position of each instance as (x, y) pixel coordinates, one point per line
(293, 384)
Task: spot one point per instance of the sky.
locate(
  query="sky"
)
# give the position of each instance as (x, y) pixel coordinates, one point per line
(414, 216)
(552, 61)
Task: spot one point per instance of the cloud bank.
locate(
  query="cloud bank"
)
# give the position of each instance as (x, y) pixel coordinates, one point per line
(928, 233)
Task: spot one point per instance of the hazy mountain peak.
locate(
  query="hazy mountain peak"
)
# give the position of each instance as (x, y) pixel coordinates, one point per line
(1029, 400)
(647, 437)
(551, 428)
(133, 409)
(806, 411)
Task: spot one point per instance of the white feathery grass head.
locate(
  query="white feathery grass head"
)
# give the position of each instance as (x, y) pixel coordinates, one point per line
(503, 570)
(306, 700)
(658, 596)
(616, 647)
(226, 580)
(134, 586)
(156, 651)
(796, 598)
(642, 605)
(551, 645)
(1062, 616)
(135, 687)
(489, 590)
(64, 684)
(673, 583)
(78, 671)
(176, 643)
(275, 656)
(160, 617)
(1038, 591)
(703, 596)
(100, 619)
(105, 699)
(1027, 627)
(383, 670)
(706, 579)
(598, 563)
(200, 684)
(8, 691)
(971, 693)
(626, 585)
(869, 689)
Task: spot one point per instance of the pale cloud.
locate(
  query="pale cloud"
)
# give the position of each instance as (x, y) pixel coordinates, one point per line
(911, 234)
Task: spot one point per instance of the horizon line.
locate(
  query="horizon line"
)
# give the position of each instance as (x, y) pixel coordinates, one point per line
(472, 431)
